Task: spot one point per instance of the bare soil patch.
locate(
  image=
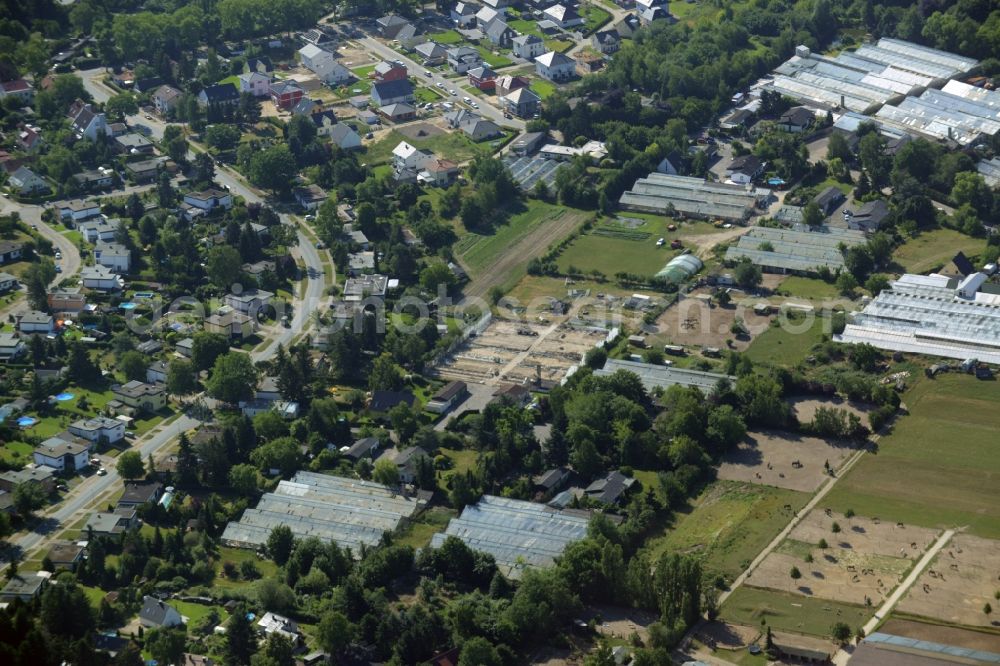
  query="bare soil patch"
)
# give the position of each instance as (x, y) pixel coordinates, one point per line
(804, 407)
(960, 581)
(694, 321)
(936, 633)
(726, 635)
(419, 130)
(617, 622)
(783, 459)
(862, 563)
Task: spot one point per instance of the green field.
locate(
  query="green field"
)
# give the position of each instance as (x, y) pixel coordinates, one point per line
(542, 87)
(455, 146)
(809, 288)
(196, 612)
(560, 45)
(731, 522)
(611, 255)
(418, 533)
(790, 612)
(16, 454)
(790, 344)
(447, 37)
(478, 251)
(267, 568)
(493, 60)
(933, 249)
(525, 27)
(594, 17)
(939, 466)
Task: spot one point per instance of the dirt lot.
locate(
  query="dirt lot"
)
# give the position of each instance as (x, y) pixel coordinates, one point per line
(974, 640)
(694, 321)
(804, 407)
(352, 58)
(960, 581)
(866, 559)
(768, 457)
(726, 635)
(420, 130)
(515, 351)
(620, 622)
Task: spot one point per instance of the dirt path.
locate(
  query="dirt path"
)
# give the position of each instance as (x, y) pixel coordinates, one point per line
(530, 246)
(703, 244)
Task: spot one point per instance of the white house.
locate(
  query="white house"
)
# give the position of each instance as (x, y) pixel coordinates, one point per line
(487, 15)
(93, 430)
(555, 66)
(62, 455)
(255, 83)
(563, 16)
(209, 199)
(157, 371)
(323, 64)
(528, 47)
(100, 229)
(463, 58)
(35, 321)
(406, 156)
(100, 278)
(249, 300)
(26, 181)
(85, 122)
(78, 209)
(113, 255)
(464, 14)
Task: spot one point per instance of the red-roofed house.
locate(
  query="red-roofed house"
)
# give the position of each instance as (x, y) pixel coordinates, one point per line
(286, 94)
(483, 78)
(18, 88)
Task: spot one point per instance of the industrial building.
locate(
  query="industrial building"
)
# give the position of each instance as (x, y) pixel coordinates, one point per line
(664, 194)
(932, 314)
(516, 533)
(349, 512)
(990, 171)
(796, 250)
(662, 376)
(869, 77)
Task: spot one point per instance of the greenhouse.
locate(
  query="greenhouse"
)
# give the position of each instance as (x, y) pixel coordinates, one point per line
(680, 268)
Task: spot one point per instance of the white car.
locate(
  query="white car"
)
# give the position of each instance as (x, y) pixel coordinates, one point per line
(661, 242)
(475, 105)
(101, 471)
(439, 85)
(453, 92)
(467, 100)
(58, 255)
(427, 72)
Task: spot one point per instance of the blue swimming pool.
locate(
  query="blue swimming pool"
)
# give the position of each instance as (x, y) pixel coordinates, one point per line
(26, 422)
(128, 306)
(63, 397)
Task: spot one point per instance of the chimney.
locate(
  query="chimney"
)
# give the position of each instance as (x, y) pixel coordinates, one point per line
(949, 132)
(842, 101)
(802, 51)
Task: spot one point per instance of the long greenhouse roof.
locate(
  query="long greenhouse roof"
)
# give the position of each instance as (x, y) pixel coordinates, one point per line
(794, 249)
(653, 376)
(691, 196)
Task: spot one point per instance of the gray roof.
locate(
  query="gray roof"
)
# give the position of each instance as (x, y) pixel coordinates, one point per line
(155, 610)
(664, 376)
(609, 489)
(797, 249)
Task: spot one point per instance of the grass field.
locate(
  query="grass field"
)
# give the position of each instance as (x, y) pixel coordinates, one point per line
(525, 27)
(196, 612)
(730, 524)
(933, 249)
(560, 45)
(447, 37)
(418, 534)
(790, 612)
(808, 288)
(787, 345)
(478, 251)
(613, 255)
(267, 568)
(492, 59)
(939, 466)
(454, 146)
(594, 17)
(542, 87)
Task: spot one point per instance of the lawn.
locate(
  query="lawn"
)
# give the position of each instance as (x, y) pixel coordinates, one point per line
(542, 87)
(362, 86)
(493, 60)
(478, 251)
(267, 568)
(196, 612)
(790, 612)
(447, 37)
(455, 146)
(939, 466)
(419, 533)
(16, 454)
(788, 345)
(363, 72)
(559, 45)
(730, 524)
(594, 17)
(462, 459)
(933, 249)
(525, 27)
(809, 288)
(426, 95)
(611, 255)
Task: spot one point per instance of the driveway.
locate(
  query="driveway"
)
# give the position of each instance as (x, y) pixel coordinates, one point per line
(479, 396)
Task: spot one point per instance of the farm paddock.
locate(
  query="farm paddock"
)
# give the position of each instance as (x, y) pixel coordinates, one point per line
(865, 560)
(770, 457)
(804, 407)
(960, 581)
(520, 352)
(694, 321)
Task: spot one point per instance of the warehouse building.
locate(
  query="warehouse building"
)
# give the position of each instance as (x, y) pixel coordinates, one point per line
(936, 315)
(990, 171)
(516, 533)
(662, 376)
(796, 250)
(943, 117)
(349, 512)
(664, 194)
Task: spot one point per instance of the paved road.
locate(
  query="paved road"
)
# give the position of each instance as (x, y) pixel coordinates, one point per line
(32, 214)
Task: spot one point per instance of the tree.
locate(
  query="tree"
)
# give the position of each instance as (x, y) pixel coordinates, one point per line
(386, 473)
(206, 348)
(175, 143)
(223, 265)
(28, 498)
(241, 641)
(82, 369)
(812, 215)
(233, 378)
(280, 543)
(479, 651)
(130, 465)
(871, 151)
(181, 378)
(166, 646)
(223, 137)
(243, 479)
(837, 148)
(37, 278)
(121, 105)
(971, 189)
(334, 633)
(273, 169)
(987, 609)
(435, 276)
(277, 651)
(841, 632)
(795, 573)
(276, 595)
(165, 194)
(133, 365)
(747, 275)
(846, 283)
(66, 612)
(385, 375)
(405, 421)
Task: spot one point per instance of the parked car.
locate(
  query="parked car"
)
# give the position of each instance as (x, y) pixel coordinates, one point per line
(661, 242)
(101, 471)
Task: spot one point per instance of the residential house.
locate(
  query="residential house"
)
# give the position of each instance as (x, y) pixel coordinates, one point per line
(8, 282)
(361, 261)
(365, 447)
(255, 83)
(209, 199)
(112, 523)
(25, 587)
(78, 209)
(324, 121)
(26, 182)
(499, 33)
(552, 480)
(671, 164)
(829, 199)
(272, 623)
(148, 83)
(407, 156)
(324, 65)
(517, 394)
(149, 347)
(438, 172)
(18, 89)
(483, 78)
(796, 119)
(499, 5)
(508, 83)
(356, 236)
(358, 288)
(611, 489)
(29, 138)
(132, 143)
(473, 125)
(528, 143)
(447, 397)
(157, 614)
(123, 79)
(185, 347)
(222, 94)
(389, 71)
(431, 53)
(464, 14)
(99, 429)
(286, 94)
(63, 455)
(398, 113)
(406, 461)
(463, 58)
(528, 47)
(306, 107)
(523, 103)
(310, 196)
(85, 122)
(261, 64)
(563, 16)
(99, 229)
(390, 25)
(485, 16)
(607, 41)
(95, 179)
(11, 251)
(249, 301)
(588, 62)
(65, 555)
(555, 66)
(318, 36)
(145, 171)
(35, 321)
(101, 278)
(653, 14)
(140, 493)
(157, 371)
(44, 476)
(114, 256)
(141, 396)
(870, 217)
(627, 26)
(344, 136)
(268, 389)
(392, 92)
(744, 169)
(229, 322)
